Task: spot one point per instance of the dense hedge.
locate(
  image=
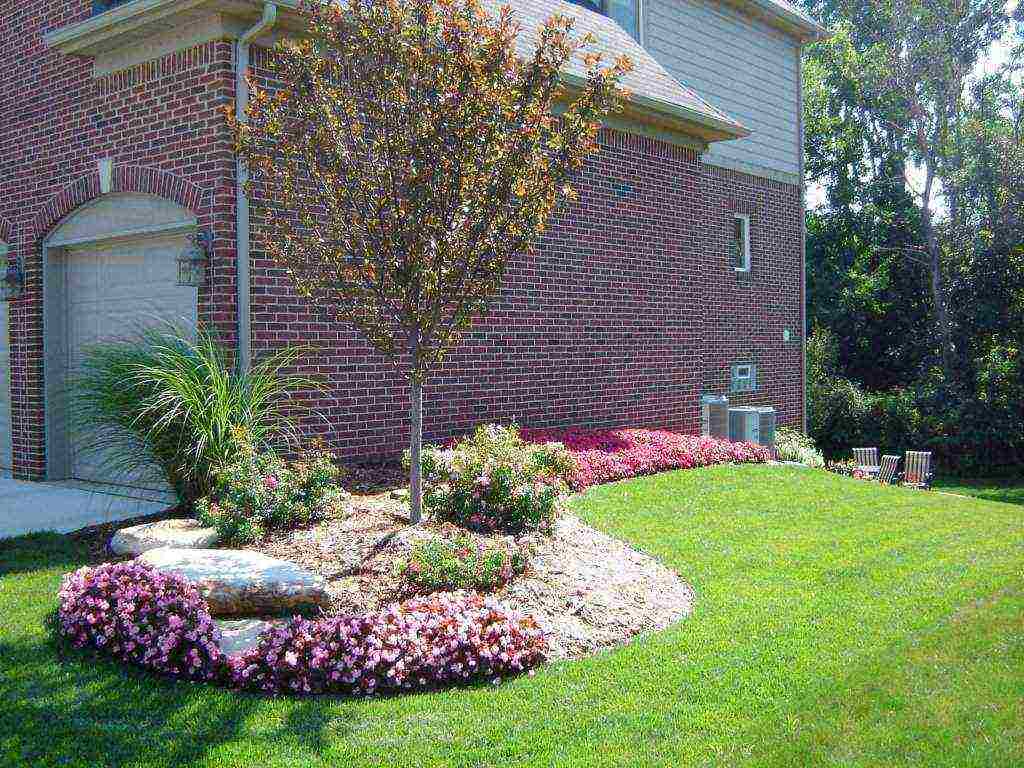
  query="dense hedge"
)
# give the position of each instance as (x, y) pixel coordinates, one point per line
(976, 429)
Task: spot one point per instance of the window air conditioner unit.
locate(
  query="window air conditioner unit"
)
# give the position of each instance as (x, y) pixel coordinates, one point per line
(714, 416)
(752, 425)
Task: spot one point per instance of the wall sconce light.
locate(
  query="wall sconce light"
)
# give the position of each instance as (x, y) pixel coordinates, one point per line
(194, 260)
(13, 282)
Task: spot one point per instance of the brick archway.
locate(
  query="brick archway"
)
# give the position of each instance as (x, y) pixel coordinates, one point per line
(125, 178)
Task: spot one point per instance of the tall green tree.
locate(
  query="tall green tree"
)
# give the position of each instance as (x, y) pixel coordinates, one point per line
(414, 154)
(894, 83)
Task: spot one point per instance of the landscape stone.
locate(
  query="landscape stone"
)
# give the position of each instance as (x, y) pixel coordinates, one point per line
(184, 533)
(239, 635)
(243, 583)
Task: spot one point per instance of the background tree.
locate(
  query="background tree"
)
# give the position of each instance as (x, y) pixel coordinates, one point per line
(915, 238)
(407, 157)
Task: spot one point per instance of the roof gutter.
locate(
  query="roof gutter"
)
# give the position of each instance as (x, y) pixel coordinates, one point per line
(243, 277)
(680, 118)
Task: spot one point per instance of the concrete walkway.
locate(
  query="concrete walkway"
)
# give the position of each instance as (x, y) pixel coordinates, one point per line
(69, 505)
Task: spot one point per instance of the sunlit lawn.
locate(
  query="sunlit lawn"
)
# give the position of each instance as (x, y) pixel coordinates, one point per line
(837, 623)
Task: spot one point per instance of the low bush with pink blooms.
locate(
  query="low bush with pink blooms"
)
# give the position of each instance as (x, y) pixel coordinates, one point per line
(160, 622)
(493, 480)
(604, 455)
(259, 492)
(457, 559)
(445, 639)
(142, 616)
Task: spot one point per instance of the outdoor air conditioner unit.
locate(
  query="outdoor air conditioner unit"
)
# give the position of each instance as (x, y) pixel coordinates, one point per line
(714, 416)
(752, 424)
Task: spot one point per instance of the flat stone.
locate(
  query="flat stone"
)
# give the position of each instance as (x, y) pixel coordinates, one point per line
(243, 583)
(183, 533)
(239, 635)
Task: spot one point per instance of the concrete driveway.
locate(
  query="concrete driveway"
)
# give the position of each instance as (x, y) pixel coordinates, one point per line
(69, 505)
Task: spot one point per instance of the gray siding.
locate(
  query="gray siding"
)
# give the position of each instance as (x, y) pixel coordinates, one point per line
(740, 65)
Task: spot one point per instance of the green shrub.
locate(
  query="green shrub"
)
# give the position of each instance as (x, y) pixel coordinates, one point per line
(791, 445)
(455, 560)
(259, 492)
(494, 480)
(974, 425)
(162, 398)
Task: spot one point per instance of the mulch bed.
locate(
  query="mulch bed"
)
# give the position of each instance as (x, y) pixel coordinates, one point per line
(589, 591)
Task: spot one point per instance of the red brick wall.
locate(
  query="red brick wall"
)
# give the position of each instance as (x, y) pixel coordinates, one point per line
(161, 124)
(746, 314)
(627, 310)
(600, 326)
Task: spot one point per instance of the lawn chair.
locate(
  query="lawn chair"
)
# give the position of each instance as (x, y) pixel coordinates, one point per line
(866, 460)
(917, 470)
(887, 470)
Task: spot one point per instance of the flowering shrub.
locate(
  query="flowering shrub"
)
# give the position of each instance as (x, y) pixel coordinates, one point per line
(847, 468)
(143, 616)
(494, 480)
(261, 491)
(425, 642)
(791, 445)
(456, 560)
(604, 455)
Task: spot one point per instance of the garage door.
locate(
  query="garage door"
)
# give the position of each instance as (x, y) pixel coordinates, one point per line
(112, 290)
(5, 376)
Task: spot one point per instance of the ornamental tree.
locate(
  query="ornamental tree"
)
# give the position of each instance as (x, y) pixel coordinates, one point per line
(407, 155)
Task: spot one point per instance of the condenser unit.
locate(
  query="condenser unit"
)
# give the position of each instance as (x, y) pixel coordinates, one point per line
(752, 424)
(714, 416)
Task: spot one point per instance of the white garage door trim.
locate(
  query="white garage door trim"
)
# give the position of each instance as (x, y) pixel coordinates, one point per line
(6, 425)
(107, 222)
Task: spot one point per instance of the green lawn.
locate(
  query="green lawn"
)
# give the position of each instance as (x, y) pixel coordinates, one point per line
(837, 623)
(1009, 490)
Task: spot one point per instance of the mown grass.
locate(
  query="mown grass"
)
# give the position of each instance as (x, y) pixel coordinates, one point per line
(837, 623)
(1009, 490)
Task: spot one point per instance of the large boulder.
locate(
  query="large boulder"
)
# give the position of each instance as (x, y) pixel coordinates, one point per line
(178, 533)
(243, 583)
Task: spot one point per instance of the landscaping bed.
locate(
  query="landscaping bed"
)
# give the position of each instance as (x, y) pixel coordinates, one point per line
(496, 580)
(586, 590)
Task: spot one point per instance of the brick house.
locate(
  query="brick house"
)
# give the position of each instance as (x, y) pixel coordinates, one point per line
(680, 271)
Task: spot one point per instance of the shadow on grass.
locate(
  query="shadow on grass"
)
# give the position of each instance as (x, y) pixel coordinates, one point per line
(39, 552)
(1008, 490)
(68, 707)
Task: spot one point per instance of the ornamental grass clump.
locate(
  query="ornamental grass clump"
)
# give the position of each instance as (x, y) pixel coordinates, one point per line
(142, 616)
(605, 455)
(174, 399)
(444, 639)
(495, 481)
(458, 560)
(259, 492)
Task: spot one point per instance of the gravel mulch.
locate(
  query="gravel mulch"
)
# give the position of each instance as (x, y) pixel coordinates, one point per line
(589, 591)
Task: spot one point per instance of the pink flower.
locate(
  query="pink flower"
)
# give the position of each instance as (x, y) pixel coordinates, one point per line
(270, 482)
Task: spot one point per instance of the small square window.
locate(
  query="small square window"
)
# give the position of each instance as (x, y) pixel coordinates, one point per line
(741, 243)
(744, 378)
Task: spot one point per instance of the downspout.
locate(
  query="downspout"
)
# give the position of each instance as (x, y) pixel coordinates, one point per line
(803, 228)
(242, 273)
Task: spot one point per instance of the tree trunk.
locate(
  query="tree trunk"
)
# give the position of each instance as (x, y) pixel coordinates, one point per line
(939, 298)
(938, 282)
(415, 446)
